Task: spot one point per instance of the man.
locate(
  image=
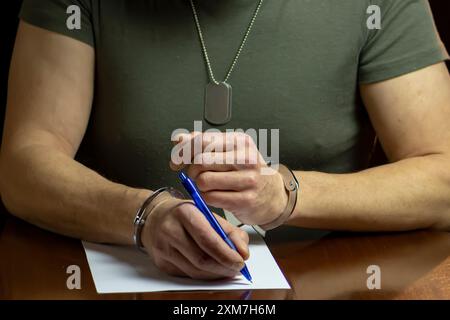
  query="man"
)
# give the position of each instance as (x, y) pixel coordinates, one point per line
(135, 72)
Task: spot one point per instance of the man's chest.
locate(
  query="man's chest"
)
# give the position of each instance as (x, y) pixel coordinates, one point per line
(293, 74)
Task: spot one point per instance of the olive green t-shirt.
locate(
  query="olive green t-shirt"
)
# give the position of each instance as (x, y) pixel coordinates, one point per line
(299, 72)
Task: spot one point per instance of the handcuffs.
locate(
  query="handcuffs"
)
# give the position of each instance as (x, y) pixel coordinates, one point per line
(291, 186)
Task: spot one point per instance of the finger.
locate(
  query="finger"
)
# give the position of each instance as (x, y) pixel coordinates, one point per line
(216, 142)
(183, 148)
(197, 143)
(231, 200)
(234, 147)
(209, 241)
(171, 269)
(232, 180)
(194, 170)
(223, 148)
(200, 259)
(238, 236)
(174, 240)
(224, 162)
(235, 159)
(176, 258)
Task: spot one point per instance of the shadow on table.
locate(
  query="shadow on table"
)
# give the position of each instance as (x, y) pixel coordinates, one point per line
(317, 264)
(414, 265)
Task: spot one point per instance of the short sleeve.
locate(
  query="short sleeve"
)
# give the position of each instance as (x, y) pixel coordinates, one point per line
(407, 41)
(53, 15)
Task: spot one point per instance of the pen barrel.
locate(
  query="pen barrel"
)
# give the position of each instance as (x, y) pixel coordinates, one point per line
(230, 243)
(190, 187)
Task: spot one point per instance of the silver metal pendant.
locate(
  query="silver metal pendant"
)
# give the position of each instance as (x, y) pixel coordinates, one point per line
(218, 103)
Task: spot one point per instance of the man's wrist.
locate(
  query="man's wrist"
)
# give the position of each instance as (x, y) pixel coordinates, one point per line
(283, 197)
(290, 186)
(161, 205)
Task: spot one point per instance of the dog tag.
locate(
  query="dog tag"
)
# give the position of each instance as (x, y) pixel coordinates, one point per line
(218, 103)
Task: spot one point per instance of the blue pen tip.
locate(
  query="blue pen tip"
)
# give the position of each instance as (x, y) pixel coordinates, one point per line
(246, 274)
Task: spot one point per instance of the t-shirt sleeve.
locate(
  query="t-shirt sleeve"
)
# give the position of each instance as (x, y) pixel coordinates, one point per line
(407, 41)
(53, 15)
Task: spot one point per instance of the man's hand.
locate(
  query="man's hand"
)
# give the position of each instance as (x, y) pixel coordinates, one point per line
(231, 174)
(182, 242)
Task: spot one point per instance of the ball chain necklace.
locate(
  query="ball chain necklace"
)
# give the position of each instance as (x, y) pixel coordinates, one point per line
(218, 102)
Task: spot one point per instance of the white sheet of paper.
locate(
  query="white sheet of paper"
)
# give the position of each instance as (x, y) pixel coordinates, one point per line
(119, 269)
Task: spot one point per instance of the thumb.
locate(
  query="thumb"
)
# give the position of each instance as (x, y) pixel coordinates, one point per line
(238, 236)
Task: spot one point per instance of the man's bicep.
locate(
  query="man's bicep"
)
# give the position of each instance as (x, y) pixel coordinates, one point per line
(50, 90)
(411, 113)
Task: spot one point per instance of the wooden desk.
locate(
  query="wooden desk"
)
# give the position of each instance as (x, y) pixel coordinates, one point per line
(414, 265)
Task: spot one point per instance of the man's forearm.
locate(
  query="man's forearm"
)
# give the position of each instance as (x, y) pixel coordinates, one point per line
(409, 194)
(48, 188)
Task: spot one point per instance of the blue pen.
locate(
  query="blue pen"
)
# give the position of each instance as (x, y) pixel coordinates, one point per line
(190, 187)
